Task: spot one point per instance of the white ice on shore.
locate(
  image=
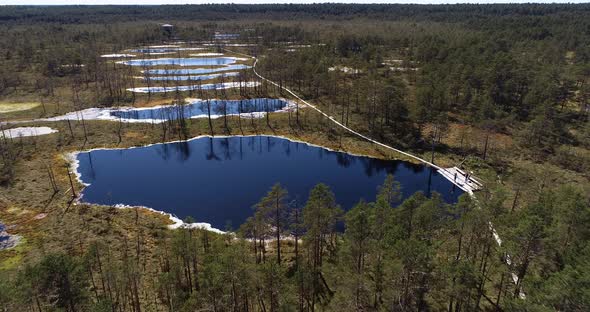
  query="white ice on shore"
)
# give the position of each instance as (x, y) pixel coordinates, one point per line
(27, 132)
(177, 222)
(345, 69)
(94, 113)
(171, 61)
(116, 55)
(197, 225)
(106, 114)
(403, 69)
(210, 86)
(190, 49)
(160, 53)
(208, 54)
(193, 77)
(230, 44)
(194, 71)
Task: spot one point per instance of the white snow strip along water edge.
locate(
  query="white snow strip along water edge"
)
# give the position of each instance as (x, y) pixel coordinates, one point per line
(183, 61)
(208, 54)
(187, 77)
(231, 44)
(194, 71)
(217, 86)
(115, 55)
(160, 53)
(72, 158)
(96, 113)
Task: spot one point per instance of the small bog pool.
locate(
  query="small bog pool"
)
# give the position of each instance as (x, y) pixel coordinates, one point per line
(195, 71)
(218, 180)
(199, 109)
(193, 78)
(196, 61)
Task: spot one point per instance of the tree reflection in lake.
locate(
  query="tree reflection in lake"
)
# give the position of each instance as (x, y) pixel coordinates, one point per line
(217, 180)
(198, 109)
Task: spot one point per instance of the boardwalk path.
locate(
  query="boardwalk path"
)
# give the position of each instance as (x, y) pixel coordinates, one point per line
(467, 186)
(454, 174)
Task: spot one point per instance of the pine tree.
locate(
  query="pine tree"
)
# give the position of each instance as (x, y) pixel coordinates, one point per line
(273, 208)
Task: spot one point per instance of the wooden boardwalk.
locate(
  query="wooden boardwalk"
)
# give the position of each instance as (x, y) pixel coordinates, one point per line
(460, 178)
(463, 180)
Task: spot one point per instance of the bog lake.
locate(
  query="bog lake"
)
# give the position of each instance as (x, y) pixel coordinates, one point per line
(217, 180)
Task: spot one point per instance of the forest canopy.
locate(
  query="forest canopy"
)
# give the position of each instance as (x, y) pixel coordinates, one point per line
(501, 89)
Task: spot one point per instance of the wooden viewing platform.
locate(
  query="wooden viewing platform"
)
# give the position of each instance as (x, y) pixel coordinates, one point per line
(462, 179)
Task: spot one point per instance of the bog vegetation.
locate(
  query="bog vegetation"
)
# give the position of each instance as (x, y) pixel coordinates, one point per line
(502, 89)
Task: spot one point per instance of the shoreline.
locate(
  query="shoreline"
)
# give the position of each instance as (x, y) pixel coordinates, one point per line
(72, 158)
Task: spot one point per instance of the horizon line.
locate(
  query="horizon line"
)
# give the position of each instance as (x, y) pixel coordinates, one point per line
(19, 3)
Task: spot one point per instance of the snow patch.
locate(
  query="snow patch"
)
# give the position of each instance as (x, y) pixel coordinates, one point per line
(160, 53)
(195, 71)
(226, 60)
(27, 131)
(115, 55)
(403, 69)
(190, 49)
(231, 44)
(207, 54)
(106, 114)
(195, 78)
(344, 69)
(216, 86)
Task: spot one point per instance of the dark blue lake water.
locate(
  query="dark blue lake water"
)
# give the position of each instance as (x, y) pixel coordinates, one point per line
(199, 109)
(207, 86)
(195, 71)
(226, 36)
(195, 78)
(197, 61)
(218, 180)
(3, 235)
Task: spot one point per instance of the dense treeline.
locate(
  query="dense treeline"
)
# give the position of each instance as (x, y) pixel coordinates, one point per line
(421, 254)
(447, 13)
(455, 81)
(528, 81)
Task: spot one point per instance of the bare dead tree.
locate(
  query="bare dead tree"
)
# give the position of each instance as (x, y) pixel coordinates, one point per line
(52, 179)
(71, 182)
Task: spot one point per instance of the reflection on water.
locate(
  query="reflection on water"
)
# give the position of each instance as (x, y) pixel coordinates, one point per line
(217, 180)
(199, 108)
(208, 86)
(196, 61)
(195, 71)
(195, 78)
(222, 36)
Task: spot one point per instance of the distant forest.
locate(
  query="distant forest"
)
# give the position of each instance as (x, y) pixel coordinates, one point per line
(469, 14)
(503, 89)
